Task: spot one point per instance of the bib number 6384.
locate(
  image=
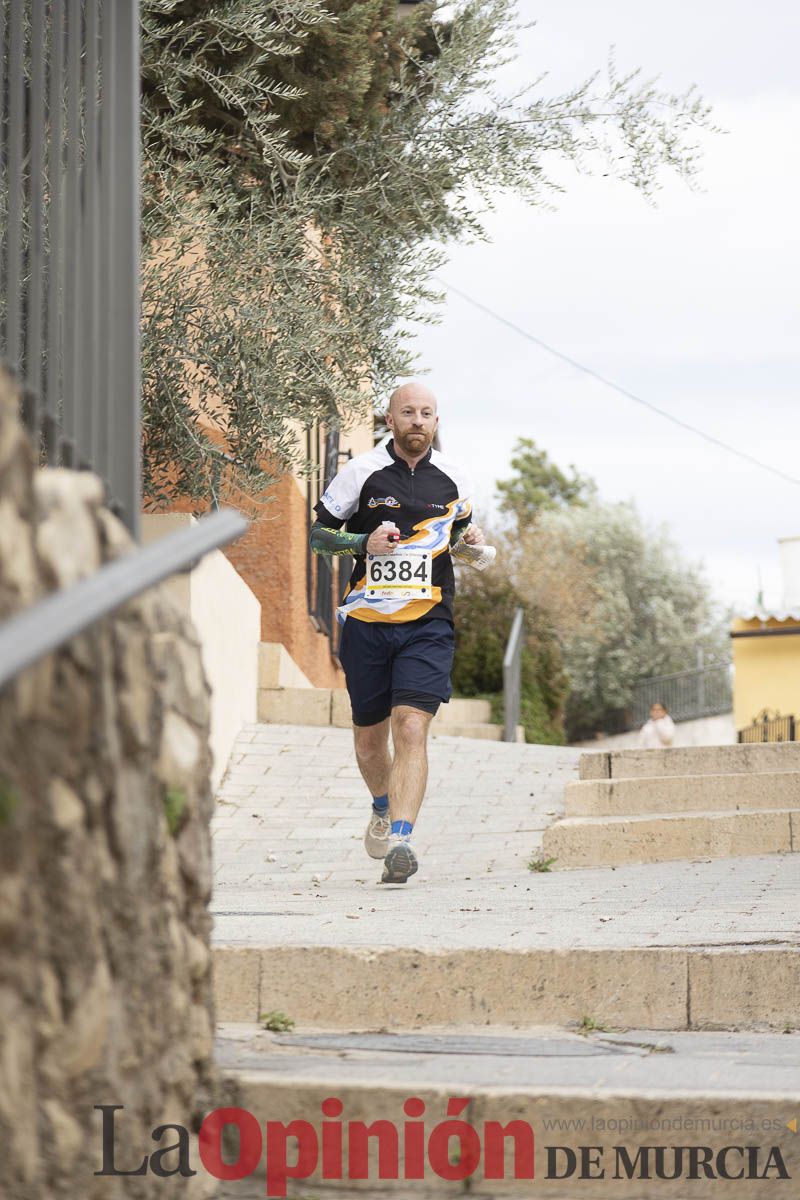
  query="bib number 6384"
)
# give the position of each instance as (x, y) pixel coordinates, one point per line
(406, 574)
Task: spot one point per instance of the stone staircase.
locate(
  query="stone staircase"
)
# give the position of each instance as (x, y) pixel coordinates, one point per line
(285, 697)
(649, 1005)
(642, 806)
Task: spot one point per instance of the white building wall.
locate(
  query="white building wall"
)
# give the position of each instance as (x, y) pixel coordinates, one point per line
(227, 618)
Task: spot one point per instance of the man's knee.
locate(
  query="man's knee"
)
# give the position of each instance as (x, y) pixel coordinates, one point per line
(371, 740)
(410, 725)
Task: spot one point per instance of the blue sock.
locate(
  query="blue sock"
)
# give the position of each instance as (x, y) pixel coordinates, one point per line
(403, 828)
(380, 804)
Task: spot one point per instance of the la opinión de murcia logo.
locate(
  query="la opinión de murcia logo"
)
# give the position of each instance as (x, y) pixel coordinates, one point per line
(453, 1150)
(336, 1150)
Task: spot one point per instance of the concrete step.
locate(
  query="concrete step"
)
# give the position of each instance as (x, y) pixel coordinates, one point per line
(485, 732)
(331, 706)
(464, 711)
(467, 729)
(304, 706)
(356, 987)
(294, 706)
(690, 760)
(659, 837)
(682, 793)
(608, 1091)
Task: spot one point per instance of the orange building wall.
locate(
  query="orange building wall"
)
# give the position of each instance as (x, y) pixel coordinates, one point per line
(271, 558)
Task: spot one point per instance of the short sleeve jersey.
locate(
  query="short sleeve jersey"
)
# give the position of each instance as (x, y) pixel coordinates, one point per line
(424, 503)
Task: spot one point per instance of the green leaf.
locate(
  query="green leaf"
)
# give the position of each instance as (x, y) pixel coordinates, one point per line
(174, 808)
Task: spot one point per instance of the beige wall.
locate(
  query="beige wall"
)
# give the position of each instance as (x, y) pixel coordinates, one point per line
(359, 439)
(767, 671)
(227, 618)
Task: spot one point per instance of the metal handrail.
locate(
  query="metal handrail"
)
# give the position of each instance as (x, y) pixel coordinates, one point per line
(512, 678)
(47, 625)
(712, 666)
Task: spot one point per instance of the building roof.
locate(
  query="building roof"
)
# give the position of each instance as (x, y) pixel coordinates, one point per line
(762, 614)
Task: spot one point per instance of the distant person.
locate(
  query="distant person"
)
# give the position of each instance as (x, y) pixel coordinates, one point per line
(659, 731)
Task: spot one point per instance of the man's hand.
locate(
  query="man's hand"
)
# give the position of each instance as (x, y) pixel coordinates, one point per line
(384, 539)
(474, 536)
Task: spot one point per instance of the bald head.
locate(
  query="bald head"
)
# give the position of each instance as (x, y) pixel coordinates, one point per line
(414, 393)
(412, 418)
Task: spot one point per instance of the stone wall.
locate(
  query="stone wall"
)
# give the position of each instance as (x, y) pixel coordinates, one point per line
(105, 860)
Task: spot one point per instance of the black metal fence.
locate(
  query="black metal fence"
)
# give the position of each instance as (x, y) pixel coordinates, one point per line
(69, 288)
(686, 695)
(769, 729)
(69, 233)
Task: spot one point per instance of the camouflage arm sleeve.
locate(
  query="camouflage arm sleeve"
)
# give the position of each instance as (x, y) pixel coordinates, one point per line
(336, 541)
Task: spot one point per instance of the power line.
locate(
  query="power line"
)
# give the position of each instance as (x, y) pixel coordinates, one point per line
(668, 416)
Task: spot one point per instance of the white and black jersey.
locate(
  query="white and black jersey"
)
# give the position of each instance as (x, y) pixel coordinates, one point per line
(424, 504)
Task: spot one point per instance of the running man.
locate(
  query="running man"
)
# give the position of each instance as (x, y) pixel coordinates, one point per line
(405, 506)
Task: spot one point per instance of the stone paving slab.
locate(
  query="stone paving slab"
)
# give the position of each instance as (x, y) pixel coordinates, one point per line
(290, 867)
(602, 1091)
(741, 1064)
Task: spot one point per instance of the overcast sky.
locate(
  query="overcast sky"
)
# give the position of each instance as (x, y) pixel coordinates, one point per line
(692, 305)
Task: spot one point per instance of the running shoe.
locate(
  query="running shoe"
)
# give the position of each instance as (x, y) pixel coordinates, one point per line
(376, 839)
(400, 861)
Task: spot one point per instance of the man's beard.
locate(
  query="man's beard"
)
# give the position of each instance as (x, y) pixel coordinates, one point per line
(414, 443)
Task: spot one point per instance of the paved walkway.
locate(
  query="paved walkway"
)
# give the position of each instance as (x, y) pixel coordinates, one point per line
(290, 867)
(746, 1064)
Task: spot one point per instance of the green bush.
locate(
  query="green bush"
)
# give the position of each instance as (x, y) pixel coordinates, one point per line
(485, 609)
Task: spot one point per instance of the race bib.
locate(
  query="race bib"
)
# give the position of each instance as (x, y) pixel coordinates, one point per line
(404, 575)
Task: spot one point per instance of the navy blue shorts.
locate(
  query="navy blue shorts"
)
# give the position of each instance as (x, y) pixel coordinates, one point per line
(388, 664)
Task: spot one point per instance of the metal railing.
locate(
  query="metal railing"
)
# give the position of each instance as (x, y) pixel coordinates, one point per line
(28, 636)
(322, 596)
(686, 695)
(512, 678)
(69, 229)
(320, 579)
(769, 729)
(327, 576)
